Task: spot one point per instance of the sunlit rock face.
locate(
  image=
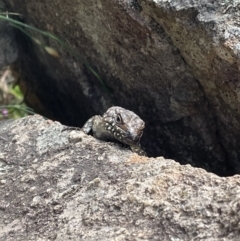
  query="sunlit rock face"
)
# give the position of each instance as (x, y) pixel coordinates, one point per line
(82, 187)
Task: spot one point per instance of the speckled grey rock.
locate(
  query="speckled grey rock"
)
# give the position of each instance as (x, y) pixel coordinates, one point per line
(174, 63)
(69, 186)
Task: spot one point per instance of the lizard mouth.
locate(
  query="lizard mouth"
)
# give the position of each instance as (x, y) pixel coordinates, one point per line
(131, 139)
(127, 136)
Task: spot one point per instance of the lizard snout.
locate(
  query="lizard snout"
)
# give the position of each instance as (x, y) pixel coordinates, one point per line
(133, 136)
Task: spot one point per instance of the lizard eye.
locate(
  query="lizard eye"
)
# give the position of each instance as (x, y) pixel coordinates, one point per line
(119, 119)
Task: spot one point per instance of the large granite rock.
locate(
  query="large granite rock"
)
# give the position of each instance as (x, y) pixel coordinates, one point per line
(61, 185)
(175, 63)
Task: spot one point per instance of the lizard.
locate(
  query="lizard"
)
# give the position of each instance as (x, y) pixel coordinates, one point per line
(117, 124)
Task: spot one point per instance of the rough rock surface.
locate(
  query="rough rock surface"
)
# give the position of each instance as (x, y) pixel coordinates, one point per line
(174, 63)
(60, 185)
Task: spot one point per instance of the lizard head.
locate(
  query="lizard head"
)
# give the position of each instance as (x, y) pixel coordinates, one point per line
(124, 125)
